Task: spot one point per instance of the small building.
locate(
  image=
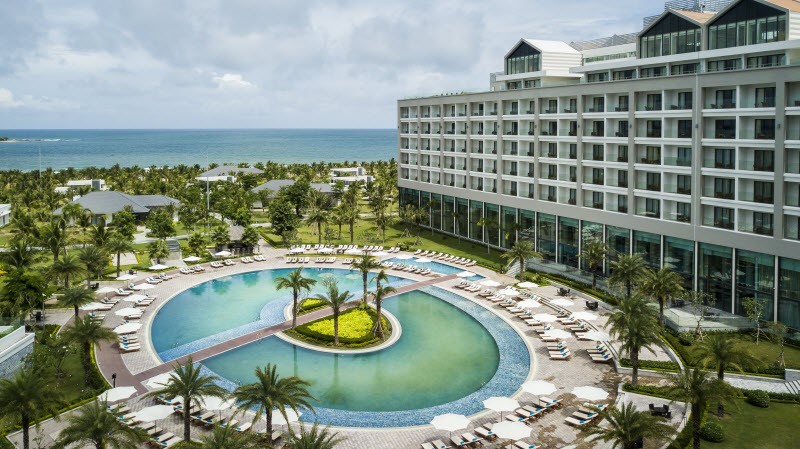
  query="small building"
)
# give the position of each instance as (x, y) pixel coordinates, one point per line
(75, 184)
(226, 173)
(276, 184)
(106, 204)
(14, 347)
(5, 214)
(350, 175)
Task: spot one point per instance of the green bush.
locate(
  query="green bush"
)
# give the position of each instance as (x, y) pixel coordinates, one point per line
(650, 390)
(758, 398)
(355, 328)
(585, 288)
(686, 338)
(712, 431)
(652, 364)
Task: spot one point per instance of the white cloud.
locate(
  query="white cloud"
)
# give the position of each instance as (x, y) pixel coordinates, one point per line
(9, 101)
(232, 81)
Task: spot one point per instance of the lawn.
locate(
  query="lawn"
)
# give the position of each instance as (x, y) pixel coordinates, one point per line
(763, 428)
(765, 350)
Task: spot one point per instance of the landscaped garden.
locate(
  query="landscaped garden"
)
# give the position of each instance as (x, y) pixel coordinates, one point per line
(748, 426)
(356, 329)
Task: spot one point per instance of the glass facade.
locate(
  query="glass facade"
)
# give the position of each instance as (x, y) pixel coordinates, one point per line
(436, 211)
(547, 236)
(590, 231)
(448, 214)
(475, 214)
(523, 59)
(789, 292)
(714, 274)
(648, 246)
(671, 35)
(508, 227)
(568, 242)
(747, 23)
(527, 225)
(679, 257)
(492, 213)
(462, 217)
(755, 277)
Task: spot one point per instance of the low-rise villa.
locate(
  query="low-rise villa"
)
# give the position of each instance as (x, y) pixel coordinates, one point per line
(350, 175)
(105, 204)
(226, 173)
(5, 214)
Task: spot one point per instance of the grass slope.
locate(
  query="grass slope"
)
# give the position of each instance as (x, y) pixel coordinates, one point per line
(764, 428)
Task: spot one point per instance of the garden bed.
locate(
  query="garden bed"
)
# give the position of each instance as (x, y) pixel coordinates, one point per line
(355, 330)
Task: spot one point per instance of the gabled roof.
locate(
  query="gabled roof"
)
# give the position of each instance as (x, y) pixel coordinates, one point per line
(785, 5)
(544, 46)
(224, 170)
(110, 202)
(697, 18)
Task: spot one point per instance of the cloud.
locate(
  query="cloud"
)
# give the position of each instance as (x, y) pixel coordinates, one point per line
(232, 81)
(9, 101)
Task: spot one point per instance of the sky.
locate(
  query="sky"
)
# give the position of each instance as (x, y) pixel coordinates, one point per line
(266, 63)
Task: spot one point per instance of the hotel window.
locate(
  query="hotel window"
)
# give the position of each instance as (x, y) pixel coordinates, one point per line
(723, 217)
(765, 97)
(757, 62)
(764, 160)
(622, 129)
(622, 203)
(765, 129)
(763, 192)
(597, 152)
(724, 188)
(724, 65)
(652, 155)
(684, 100)
(653, 181)
(762, 223)
(597, 200)
(670, 36)
(552, 149)
(684, 157)
(654, 128)
(653, 102)
(552, 171)
(622, 178)
(724, 158)
(573, 197)
(623, 75)
(683, 212)
(652, 208)
(597, 176)
(622, 153)
(551, 193)
(725, 129)
(597, 77)
(726, 99)
(747, 23)
(653, 72)
(573, 174)
(524, 59)
(684, 184)
(684, 129)
(573, 151)
(685, 69)
(622, 104)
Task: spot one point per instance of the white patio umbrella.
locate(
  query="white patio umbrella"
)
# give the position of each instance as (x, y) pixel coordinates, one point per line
(380, 253)
(423, 260)
(158, 267)
(191, 259)
(354, 252)
(291, 417)
(501, 404)
(158, 381)
(465, 274)
(403, 256)
(586, 316)
(297, 250)
(562, 302)
(127, 311)
(104, 290)
(511, 430)
(93, 306)
(154, 413)
(596, 336)
(527, 284)
(127, 328)
(143, 286)
(117, 394)
(560, 334)
(509, 292)
(590, 393)
(126, 277)
(539, 387)
(450, 422)
(545, 317)
(212, 403)
(490, 283)
(223, 254)
(528, 304)
(134, 297)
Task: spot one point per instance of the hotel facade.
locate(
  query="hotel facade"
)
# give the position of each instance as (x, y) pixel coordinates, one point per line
(680, 143)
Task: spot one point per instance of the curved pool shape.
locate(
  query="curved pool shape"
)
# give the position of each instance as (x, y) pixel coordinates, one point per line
(227, 307)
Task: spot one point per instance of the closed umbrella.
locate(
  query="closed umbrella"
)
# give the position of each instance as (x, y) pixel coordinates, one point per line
(450, 422)
(126, 277)
(143, 286)
(545, 317)
(191, 259)
(586, 316)
(527, 284)
(590, 393)
(563, 302)
(127, 311)
(117, 394)
(212, 403)
(511, 430)
(223, 254)
(596, 336)
(501, 404)
(465, 274)
(127, 328)
(153, 413)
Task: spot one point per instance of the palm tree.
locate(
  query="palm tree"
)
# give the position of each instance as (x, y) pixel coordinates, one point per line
(594, 253)
(364, 264)
(699, 390)
(118, 244)
(158, 250)
(296, 282)
(187, 383)
(85, 333)
(335, 300)
(315, 438)
(26, 396)
(484, 223)
(270, 392)
(228, 438)
(627, 270)
(662, 285)
(53, 236)
(318, 217)
(721, 351)
(67, 267)
(99, 234)
(628, 428)
(197, 243)
(381, 291)
(635, 324)
(76, 297)
(96, 426)
(350, 213)
(20, 254)
(95, 259)
(520, 252)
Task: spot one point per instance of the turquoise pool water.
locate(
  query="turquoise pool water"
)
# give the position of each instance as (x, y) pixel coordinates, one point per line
(443, 354)
(234, 301)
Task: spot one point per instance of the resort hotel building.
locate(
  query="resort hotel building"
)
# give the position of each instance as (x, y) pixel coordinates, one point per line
(680, 142)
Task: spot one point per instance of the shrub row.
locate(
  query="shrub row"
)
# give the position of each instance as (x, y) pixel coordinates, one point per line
(606, 297)
(650, 390)
(652, 364)
(757, 397)
(313, 332)
(680, 341)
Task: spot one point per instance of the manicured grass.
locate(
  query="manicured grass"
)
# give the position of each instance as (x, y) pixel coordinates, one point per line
(355, 329)
(748, 426)
(765, 350)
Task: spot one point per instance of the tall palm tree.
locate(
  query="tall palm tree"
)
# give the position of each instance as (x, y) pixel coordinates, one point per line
(20, 254)
(53, 236)
(381, 291)
(364, 264)
(76, 297)
(26, 396)
(722, 352)
(335, 300)
(520, 252)
(187, 383)
(95, 259)
(314, 438)
(67, 267)
(635, 324)
(99, 234)
(95, 425)
(317, 217)
(699, 390)
(118, 244)
(662, 285)
(197, 243)
(350, 213)
(485, 223)
(86, 332)
(593, 253)
(158, 249)
(270, 392)
(627, 270)
(297, 282)
(228, 438)
(628, 427)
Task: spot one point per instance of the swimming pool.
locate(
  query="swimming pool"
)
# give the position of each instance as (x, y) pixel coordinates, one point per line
(451, 355)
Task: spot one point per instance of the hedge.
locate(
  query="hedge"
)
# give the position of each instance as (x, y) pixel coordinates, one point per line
(651, 390)
(757, 397)
(679, 343)
(312, 330)
(652, 364)
(606, 297)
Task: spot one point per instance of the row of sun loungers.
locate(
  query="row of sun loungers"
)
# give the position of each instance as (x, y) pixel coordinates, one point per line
(445, 257)
(298, 260)
(158, 437)
(343, 248)
(192, 269)
(408, 268)
(585, 415)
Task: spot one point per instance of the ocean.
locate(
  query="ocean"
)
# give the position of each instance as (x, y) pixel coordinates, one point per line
(57, 149)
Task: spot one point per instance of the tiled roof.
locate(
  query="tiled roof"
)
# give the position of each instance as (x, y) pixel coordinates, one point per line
(110, 202)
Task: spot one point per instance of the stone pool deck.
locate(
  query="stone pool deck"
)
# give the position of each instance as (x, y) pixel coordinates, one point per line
(550, 431)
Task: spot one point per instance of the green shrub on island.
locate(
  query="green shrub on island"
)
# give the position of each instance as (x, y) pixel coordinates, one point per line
(355, 328)
(311, 304)
(757, 397)
(712, 431)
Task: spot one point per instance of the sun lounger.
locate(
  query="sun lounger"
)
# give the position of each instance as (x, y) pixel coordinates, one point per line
(171, 442)
(123, 292)
(527, 413)
(130, 348)
(485, 433)
(231, 423)
(439, 444)
(202, 415)
(524, 445)
(551, 402)
(586, 416)
(427, 446)
(597, 358)
(161, 438)
(244, 427)
(560, 355)
(458, 441)
(577, 422)
(515, 418)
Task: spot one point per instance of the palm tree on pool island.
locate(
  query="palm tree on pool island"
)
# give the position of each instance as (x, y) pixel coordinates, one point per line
(335, 300)
(27, 395)
(94, 425)
(364, 264)
(271, 392)
(627, 428)
(188, 383)
(297, 282)
(700, 390)
(314, 438)
(381, 291)
(520, 252)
